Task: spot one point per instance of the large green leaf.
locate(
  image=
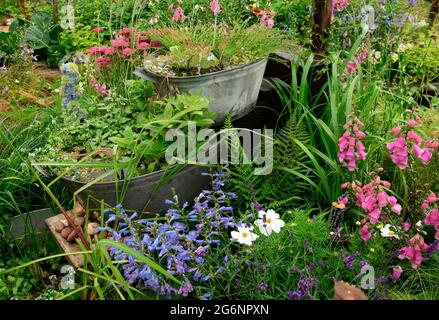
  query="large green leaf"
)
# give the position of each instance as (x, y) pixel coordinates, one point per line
(36, 38)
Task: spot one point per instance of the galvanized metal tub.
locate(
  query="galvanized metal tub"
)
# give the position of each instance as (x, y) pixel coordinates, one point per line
(144, 192)
(232, 91)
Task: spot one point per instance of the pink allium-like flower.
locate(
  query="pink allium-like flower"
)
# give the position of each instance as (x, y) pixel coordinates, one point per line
(120, 43)
(365, 233)
(215, 7)
(125, 31)
(407, 226)
(413, 136)
(102, 61)
(396, 273)
(143, 45)
(398, 152)
(97, 30)
(127, 52)
(396, 130)
(100, 50)
(178, 15)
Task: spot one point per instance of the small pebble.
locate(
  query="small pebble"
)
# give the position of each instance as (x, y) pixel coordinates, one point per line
(79, 221)
(93, 228)
(71, 236)
(59, 226)
(66, 232)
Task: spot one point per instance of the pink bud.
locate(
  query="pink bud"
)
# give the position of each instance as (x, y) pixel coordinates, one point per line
(396, 273)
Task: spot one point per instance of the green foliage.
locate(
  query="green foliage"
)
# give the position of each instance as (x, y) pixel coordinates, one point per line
(201, 49)
(42, 35)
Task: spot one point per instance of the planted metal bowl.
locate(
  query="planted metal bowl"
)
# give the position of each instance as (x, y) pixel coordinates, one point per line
(233, 90)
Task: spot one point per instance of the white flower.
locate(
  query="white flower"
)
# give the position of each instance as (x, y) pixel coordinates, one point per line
(394, 57)
(269, 222)
(377, 55)
(244, 235)
(387, 233)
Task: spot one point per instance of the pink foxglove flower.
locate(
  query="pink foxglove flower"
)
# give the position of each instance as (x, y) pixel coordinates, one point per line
(396, 130)
(97, 30)
(398, 152)
(431, 144)
(365, 233)
(413, 136)
(351, 150)
(396, 273)
(351, 66)
(413, 252)
(422, 153)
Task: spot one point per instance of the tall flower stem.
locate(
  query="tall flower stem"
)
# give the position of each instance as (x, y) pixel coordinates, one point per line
(214, 30)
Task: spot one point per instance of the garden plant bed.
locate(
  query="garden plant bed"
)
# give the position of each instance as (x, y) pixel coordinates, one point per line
(219, 150)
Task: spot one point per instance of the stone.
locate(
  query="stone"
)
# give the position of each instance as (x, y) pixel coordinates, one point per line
(66, 232)
(79, 221)
(345, 291)
(59, 226)
(71, 236)
(93, 228)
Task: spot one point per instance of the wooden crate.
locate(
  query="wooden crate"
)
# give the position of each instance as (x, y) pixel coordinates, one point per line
(76, 260)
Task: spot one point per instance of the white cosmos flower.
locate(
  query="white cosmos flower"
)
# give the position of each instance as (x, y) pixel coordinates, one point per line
(244, 235)
(269, 221)
(386, 232)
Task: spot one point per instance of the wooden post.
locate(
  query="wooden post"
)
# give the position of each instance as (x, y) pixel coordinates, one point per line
(433, 12)
(322, 21)
(55, 11)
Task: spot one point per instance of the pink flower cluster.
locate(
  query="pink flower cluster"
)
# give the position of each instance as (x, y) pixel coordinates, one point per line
(413, 251)
(266, 16)
(340, 5)
(373, 199)
(399, 150)
(351, 66)
(351, 149)
(122, 45)
(178, 15)
(432, 218)
(100, 88)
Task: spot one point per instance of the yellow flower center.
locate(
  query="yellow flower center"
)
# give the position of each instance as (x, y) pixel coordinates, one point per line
(268, 220)
(244, 234)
